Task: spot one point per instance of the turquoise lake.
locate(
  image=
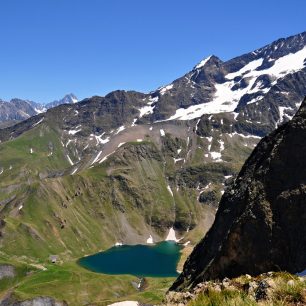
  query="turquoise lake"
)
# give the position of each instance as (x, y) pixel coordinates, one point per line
(158, 260)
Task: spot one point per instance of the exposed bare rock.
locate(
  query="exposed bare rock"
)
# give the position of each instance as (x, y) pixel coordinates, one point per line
(260, 224)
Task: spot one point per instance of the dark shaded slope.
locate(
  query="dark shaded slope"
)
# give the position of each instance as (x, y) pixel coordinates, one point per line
(261, 221)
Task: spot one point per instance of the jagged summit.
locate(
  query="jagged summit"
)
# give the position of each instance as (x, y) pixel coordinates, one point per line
(260, 223)
(203, 62)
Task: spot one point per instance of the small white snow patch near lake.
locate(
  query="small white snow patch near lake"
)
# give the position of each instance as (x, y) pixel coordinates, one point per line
(139, 140)
(162, 132)
(31, 151)
(11, 167)
(121, 144)
(151, 128)
(186, 243)
(227, 176)
(150, 240)
(20, 207)
(125, 303)
(179, 151)
(118, 243)
(1, 170)
(171, 236)
(120, 129)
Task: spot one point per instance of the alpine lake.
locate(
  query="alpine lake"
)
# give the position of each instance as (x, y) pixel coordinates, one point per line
(158, 260)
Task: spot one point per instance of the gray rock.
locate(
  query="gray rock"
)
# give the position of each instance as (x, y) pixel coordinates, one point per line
(7, 271)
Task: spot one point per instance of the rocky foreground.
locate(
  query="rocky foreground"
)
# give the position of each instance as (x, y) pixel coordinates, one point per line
(272, 288)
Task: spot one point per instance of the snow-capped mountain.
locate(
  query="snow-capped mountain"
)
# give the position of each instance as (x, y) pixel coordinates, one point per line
(250, 95)
(68, 99)
(17, 109)
(162, 158)
(274, 72)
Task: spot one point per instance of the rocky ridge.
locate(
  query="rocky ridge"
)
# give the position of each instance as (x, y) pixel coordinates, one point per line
(260, 223)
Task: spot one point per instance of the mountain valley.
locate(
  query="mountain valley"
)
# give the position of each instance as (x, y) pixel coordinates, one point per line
(133, 168)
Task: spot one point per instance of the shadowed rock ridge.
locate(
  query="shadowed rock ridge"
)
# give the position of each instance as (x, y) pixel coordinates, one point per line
(261, 221)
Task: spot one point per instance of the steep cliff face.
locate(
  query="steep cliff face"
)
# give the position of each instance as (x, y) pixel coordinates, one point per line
(260, 224)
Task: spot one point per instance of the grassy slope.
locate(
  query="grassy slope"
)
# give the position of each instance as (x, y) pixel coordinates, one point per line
(81, 214)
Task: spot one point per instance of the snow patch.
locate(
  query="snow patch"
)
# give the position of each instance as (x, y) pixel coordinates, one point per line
(125, 303)
(74, 171)
(281, 110)
(162, 132)
(73, 132)
(105, 157)
(177, 159)
(171, 235)
(96, 158)
(120, 129)
(216, 156)
(40, 121)
(242, 135)
(202, 63)
(226, 99)
(169, 189)
(99, 139)
(69, 159)
(150, 240)
(164, 89)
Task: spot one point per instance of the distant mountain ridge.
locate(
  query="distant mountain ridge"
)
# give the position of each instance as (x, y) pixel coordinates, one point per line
(17, 109)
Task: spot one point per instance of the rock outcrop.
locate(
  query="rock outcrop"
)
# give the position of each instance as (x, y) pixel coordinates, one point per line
(260, 223)
(266, 289)
(38, 301)
(7, 271)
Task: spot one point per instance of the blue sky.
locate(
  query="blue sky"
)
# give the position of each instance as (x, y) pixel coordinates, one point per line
(90, 47)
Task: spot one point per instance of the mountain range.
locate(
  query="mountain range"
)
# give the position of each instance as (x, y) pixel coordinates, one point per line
(136, 167)
(17, 110)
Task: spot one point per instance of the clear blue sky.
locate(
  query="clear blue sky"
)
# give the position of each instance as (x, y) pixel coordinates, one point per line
(88, 47)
